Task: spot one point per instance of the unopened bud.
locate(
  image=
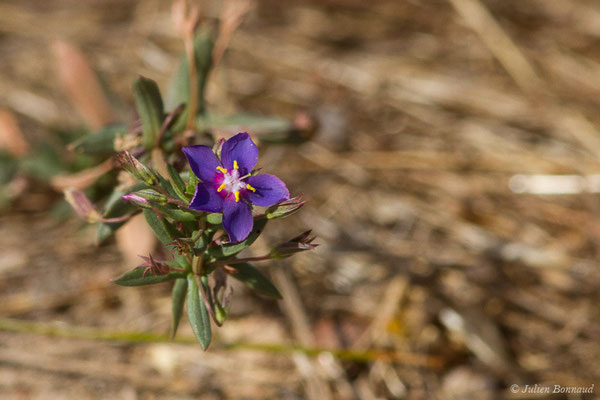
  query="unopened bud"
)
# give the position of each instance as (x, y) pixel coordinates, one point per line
(300, 243)
(136, 168)
(152, 195)
(285, 208)
(146, 198)
(222, 304)
(137, 200)
(82, 205)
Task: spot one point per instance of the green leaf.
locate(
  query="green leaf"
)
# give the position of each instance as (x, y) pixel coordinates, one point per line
(165, 184)
(135, 277)
(8, 166)
(159, 226)
(228, 250)
(178, 300)
(258, 124)
(180, 261)
(192, 183)
(214, 218)
(254, 279)
(203, 240)
(268, 128)
(101, 142)
(150, 108)
(197, 313)
(179, 90)
(177, 183)
(44, 163)
(285, 208)
(179, 215)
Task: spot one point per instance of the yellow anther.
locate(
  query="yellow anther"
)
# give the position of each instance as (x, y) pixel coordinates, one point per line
(223, 186)
(223, 170)
(235, 165)
(250, 187)
(237, 196)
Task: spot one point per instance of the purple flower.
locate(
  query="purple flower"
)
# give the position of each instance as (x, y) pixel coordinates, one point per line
(227, 184)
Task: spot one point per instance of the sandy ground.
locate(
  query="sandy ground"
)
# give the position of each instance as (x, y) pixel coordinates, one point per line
(440, 245)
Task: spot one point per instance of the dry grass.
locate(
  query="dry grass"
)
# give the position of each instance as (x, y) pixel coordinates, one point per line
(426, 111)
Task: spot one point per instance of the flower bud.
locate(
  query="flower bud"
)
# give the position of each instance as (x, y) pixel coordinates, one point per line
(300, 243)
(152, 195)
(146, 198)
(82, 205)
(137, 200)
(136, 168)
(222, 303)
(285, 208)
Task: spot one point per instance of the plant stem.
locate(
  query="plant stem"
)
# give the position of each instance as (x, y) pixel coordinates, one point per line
(196, 261)
(197, 236)
(170, 199)
(167, 122)
(205, 298)
(116, 219)
(239, 260)
(177, 202)
(193, 101)
(132, 337)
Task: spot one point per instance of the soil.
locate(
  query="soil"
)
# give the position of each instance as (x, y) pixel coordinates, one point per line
(447, 242)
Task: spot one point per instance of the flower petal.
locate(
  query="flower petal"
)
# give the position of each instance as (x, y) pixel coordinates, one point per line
(242, 149)
(269, 190)
(206, 198)
(203, 161)
(237, 219)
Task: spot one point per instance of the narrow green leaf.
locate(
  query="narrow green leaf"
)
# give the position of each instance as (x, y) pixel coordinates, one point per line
(285, 208)
(179, 215)
(197, 313)
(165, 184)
(214, 218)
(203, 241)
(185, 175)
(268, 128)
(178, 300)
(150, 108)
(228, 250)
(264, 125)
(159, 226)
(8, 166)
(101, 142)
(135, 277)
(254, 279)
(177, 183)
(180, 261)
(43, 163)
(192, 183)
(179, 90)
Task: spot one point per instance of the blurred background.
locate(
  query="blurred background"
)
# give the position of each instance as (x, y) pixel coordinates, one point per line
(451, 184)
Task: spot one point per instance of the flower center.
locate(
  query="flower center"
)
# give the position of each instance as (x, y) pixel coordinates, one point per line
(233, 182)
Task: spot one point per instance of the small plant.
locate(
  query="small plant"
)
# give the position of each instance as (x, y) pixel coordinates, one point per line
(203, 216)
